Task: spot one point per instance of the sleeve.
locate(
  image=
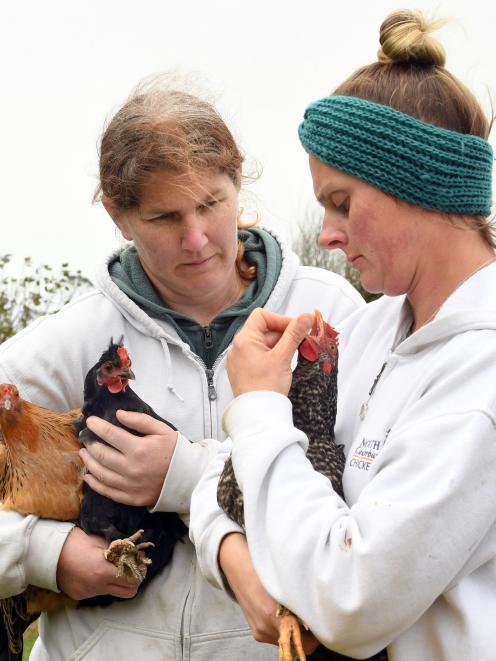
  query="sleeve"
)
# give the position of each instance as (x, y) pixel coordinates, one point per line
(333, 295)
(29, 552)
(209, 524)
(185, 470)
(344, 300)
(346, 570)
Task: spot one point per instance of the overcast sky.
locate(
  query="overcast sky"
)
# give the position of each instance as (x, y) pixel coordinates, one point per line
(67, 66)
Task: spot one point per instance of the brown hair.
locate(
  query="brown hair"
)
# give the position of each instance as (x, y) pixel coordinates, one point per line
(165, 129)
(410, 76)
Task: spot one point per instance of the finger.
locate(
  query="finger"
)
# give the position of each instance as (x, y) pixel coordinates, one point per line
(310, 643)
(123, 591)
(98, 457)
(99, 472)
(272, 338)
(142, 422)
(112, 493)
(292, 337)
(262, 320)
(118, 438)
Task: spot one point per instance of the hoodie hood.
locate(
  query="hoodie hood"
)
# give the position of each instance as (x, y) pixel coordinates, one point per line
(472, 306)
(164, 331)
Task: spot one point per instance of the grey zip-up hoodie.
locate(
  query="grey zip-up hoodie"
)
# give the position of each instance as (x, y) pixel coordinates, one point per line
(179, 616)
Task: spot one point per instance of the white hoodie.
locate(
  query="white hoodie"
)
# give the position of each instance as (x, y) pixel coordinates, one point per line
(178, 616)
(410, 561)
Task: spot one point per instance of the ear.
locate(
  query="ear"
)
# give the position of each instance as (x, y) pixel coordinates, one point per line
(118, 215)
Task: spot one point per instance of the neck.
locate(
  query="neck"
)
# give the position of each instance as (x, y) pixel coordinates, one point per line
(444, 278)
(203, 309)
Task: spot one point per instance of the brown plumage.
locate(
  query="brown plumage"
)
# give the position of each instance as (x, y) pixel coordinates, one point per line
(40, 473)
(40, 448)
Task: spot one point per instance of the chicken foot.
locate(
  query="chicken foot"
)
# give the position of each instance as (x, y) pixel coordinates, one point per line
(129, 557)
(290, 645)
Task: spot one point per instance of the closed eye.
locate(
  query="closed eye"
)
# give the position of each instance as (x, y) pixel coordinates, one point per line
(341, 203)
(167, 215)
(209, 204)
(338, 201)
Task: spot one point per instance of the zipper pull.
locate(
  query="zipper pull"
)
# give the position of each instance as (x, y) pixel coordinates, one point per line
(210, 382)
(365, 406)
(207, 337)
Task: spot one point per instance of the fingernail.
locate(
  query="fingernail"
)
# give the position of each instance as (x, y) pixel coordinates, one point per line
(306, 322)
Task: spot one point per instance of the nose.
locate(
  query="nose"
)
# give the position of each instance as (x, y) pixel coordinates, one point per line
(332, 235)
(194, 237)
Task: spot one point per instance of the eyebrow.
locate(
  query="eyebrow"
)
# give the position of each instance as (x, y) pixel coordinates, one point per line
(157, 211)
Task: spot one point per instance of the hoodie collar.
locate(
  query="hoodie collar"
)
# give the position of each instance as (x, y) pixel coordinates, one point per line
(472, 306)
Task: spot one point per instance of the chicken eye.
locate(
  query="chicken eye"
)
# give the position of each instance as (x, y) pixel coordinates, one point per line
(107, 367)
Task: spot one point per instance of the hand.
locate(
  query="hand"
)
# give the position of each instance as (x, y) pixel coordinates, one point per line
(83, 571)
(131, 469)
(261, 353)
(257, 605)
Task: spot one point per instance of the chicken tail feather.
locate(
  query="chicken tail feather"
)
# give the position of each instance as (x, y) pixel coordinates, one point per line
(14, 620)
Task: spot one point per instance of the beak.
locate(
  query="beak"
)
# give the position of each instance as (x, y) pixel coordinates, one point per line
(6, 403)
(318, 327)
(127, 373)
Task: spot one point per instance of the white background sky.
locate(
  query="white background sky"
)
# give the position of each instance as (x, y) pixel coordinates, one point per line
(67, 66)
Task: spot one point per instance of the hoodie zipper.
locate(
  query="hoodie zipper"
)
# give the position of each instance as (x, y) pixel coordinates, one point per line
(365, 406)
(208, 344)
(212, 393)
(207, 337)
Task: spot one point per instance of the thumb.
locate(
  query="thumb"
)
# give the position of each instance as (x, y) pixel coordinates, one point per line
(292, 337)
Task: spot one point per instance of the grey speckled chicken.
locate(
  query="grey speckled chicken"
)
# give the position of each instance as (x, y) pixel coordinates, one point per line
(313, 395)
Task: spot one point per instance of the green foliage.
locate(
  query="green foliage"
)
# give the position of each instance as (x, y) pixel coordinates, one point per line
(311, 254)
(37, 291)
(30, 636)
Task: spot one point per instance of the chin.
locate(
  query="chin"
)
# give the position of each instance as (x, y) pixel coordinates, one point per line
(371, 285)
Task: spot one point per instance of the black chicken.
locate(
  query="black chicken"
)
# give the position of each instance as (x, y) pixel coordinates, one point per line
(127, 529)
(313, 396)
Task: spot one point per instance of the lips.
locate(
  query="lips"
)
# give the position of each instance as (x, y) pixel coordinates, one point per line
(198, 262)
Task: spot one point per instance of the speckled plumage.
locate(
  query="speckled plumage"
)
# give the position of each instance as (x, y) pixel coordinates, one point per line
(313, 395)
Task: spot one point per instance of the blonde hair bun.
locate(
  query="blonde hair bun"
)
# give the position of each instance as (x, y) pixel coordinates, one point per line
(405, 38)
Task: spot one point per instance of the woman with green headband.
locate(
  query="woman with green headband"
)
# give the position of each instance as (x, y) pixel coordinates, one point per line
(401, 164)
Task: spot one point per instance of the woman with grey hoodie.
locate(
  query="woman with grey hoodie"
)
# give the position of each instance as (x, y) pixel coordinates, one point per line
(170, 175)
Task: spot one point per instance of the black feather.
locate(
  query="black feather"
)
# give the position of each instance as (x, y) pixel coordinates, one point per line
(14, 620)
(112, 520)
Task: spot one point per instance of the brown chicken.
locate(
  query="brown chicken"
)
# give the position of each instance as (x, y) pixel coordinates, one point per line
(39, 448)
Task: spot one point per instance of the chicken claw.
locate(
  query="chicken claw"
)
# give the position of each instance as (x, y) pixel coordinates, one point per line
(129, 557)
(290, 645)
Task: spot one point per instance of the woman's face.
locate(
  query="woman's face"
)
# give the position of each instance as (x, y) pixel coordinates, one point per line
(185, 232)
(378, 233)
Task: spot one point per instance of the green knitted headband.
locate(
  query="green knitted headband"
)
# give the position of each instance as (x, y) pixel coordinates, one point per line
(425, 165)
